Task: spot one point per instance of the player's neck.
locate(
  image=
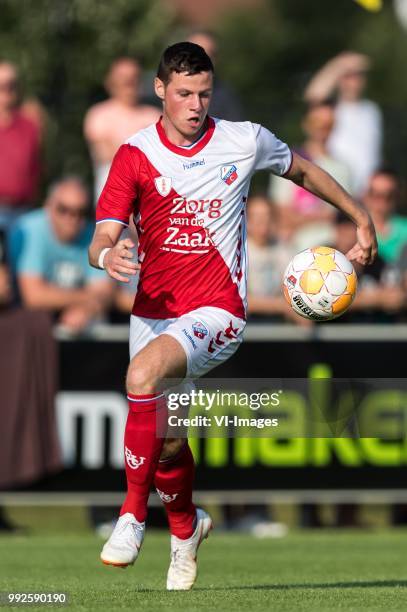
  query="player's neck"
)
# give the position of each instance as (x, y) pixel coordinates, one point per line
(179, 139)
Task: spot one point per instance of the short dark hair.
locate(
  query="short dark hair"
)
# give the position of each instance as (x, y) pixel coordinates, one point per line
(183, 57)
(386, 171)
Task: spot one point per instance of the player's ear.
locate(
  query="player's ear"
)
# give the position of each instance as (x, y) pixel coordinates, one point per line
(159, 88)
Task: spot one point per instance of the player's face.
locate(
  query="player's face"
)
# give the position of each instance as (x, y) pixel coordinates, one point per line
(186, 101)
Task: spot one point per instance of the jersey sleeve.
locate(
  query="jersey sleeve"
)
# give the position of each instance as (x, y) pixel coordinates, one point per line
(116, 202)
(271, 153)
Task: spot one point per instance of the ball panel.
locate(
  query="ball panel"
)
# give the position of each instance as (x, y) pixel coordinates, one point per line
(311, 281)
(343, 262)
(323, 301)
(323, 250)
(300, 306)
(336, 283)
(352, 282)
(302, 261)
(342, 303)
(324, 263)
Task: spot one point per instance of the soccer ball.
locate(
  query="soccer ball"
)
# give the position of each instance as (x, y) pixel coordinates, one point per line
(320, 283)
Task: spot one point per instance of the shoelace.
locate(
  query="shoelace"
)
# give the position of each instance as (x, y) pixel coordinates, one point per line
(137, 529)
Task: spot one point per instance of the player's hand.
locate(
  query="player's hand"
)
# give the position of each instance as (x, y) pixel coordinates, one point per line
(365, 249)
(117, 261)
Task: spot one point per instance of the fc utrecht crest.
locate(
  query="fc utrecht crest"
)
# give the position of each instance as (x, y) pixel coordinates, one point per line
(163, 185)
(228, 174)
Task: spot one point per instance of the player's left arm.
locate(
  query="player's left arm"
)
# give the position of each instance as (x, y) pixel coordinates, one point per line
(312, 178)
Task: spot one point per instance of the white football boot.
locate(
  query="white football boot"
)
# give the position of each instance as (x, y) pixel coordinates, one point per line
(123, 546)
(183, 569)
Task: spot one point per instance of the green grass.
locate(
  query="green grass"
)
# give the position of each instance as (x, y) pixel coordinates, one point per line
(308, 570)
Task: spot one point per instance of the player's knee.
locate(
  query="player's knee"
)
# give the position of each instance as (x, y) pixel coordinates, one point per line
(141, 378)
(172, 447)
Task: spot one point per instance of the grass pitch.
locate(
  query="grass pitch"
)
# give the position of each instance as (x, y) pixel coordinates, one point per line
(308, 570)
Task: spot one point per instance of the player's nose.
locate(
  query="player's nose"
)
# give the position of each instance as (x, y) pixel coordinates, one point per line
(196, 103)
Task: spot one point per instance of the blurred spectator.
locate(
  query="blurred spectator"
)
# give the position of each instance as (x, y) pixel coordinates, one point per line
(33, 110)
(268, 258)
(6, 293)
(309, 221)
(28, 353)
(50, 259)
(380, 296)
(110, 123)
(357, 135)
(19, 151)
(225, 103)
(381, 199)
(401, 267)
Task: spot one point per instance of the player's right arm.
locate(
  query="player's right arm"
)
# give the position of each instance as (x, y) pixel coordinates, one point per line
(117, 260)
(115, 205)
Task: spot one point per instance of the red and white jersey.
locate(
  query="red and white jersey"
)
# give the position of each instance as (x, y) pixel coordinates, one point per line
(189, 208)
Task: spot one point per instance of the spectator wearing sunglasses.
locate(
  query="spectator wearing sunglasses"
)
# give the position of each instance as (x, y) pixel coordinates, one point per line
(19, 151)
(382, 199)
(49, 257)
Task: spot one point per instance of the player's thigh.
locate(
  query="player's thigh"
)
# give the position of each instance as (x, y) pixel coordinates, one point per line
(209, 337)
(162, 358)
(154, 356)
(142, 332)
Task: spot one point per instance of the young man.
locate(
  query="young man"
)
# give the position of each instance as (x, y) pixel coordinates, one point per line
(186, 181)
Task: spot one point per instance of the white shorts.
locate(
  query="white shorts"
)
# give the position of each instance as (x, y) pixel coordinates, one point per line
(208, 335)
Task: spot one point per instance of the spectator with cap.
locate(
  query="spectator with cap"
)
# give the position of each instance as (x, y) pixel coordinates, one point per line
(224, 102)
(309, 221)
(49, 255)
(19, 151)
(110, 123)
(357, 136)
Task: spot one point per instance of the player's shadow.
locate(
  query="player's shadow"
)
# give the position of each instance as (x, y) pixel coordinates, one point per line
(323, 585)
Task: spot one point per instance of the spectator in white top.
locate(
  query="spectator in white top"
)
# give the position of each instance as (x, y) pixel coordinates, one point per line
(357, 135)
(268, 258)
(110, 123)
(307, 220)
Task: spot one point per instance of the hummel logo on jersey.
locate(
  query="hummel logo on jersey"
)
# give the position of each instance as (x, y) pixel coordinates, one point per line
(163, 185)
(167, 497)
(132, 460)
(194, 164)
(190, 338)
(228, 174)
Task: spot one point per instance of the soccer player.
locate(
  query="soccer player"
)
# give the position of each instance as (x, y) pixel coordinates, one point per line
(186, 180)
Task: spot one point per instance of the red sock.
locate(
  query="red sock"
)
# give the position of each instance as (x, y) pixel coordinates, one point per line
(146, 420)
(174, 480)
